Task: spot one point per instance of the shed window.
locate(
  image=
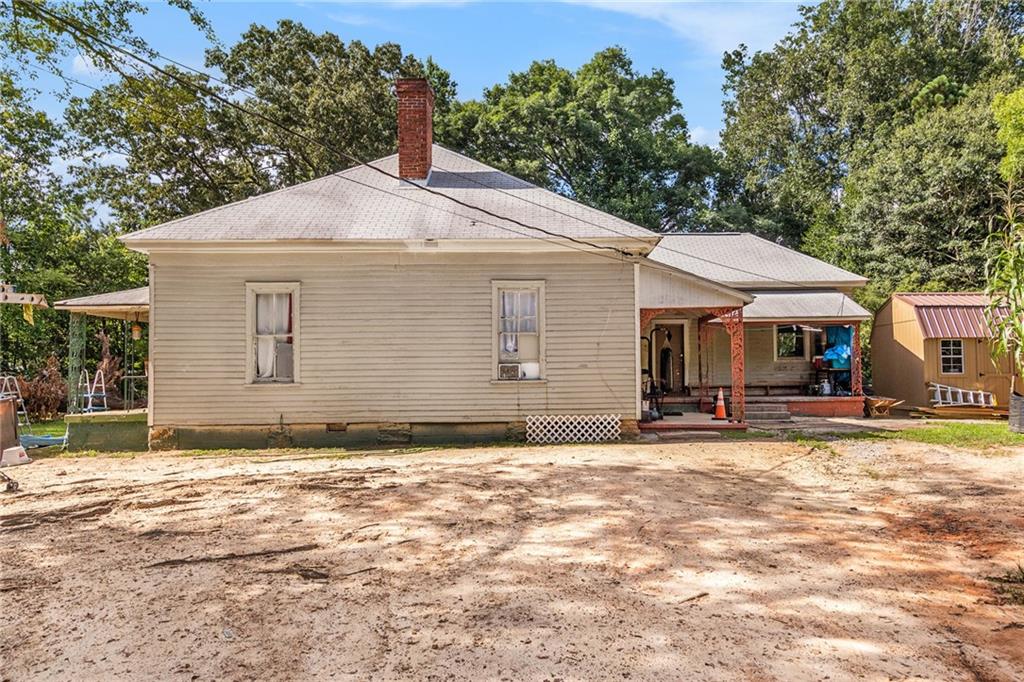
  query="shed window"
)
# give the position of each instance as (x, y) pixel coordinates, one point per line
(951, 356)
(272, 318)
(790, 342)
(518, 328)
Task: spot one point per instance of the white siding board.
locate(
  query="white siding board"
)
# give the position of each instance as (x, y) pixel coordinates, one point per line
(388, 338)
(661, 288)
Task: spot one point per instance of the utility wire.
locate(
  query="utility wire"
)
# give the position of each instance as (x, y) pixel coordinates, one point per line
(77, 26)
(617, 259)
(77, 29)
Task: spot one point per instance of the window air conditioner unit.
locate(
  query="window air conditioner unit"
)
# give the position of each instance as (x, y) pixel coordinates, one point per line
(508, 371)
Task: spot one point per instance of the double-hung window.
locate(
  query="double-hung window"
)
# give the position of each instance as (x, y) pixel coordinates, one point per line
(951, 356)
(790, 342)
(272, 321)
(518, 330)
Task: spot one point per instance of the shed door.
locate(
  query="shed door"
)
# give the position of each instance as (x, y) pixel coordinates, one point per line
(994, 376)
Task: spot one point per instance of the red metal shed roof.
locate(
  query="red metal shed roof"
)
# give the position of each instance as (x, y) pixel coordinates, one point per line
(950, 315)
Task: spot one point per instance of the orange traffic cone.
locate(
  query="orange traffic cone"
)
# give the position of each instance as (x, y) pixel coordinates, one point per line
(720, 407)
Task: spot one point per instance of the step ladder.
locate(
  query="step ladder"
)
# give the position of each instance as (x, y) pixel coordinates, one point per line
(9, 388)
(951, 396)
(93, 394)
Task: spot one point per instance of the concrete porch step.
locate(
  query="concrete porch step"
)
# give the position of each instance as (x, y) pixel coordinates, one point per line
(767, 413)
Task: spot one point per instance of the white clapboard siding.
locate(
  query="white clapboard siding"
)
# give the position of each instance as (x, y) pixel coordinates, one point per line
(760, 366)
(387, 337)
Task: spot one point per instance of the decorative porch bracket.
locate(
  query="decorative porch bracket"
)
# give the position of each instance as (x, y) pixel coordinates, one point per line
(732, 319)
(856, 369)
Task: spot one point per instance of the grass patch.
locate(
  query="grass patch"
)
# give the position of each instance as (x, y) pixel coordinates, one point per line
(54, 427)
(963, 434)
(812, 442)
(989, 435)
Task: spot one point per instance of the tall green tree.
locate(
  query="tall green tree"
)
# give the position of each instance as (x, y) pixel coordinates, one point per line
(917, 214)
(604, 134)
(804, 115)
(180, 150)
(54, 249)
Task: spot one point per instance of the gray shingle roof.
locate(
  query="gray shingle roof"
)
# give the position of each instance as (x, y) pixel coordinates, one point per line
(351, 205)
(744, 260)
(803, 306)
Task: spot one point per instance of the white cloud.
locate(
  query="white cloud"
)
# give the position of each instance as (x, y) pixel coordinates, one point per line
(84, 66)
(353, 19)
(714, 27)
(702, 135)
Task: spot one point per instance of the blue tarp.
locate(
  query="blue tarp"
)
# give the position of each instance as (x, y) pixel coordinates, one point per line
(29, 441)
(838, 340)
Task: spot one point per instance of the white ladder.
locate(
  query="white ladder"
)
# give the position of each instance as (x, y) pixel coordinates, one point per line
(92, 394)
(951, 396)
(9, 388)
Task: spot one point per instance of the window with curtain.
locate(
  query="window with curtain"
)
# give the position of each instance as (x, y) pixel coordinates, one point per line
(951, 356)
(519, 333)
(272, 333)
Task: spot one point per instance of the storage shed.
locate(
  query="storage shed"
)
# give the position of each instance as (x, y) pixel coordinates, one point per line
(942, 338)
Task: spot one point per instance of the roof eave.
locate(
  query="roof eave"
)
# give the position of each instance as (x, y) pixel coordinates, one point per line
(632, 245)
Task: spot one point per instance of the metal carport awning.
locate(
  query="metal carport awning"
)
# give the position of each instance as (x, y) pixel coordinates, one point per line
(128, 304)
(803, 306)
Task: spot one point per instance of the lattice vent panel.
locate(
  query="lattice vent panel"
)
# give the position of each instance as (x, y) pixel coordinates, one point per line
(573, 428)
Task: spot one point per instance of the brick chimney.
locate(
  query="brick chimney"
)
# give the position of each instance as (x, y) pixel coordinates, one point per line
(415, 127)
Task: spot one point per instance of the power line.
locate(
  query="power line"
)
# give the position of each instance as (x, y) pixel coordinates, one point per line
(617, 259)
(250, 93)
(78, 27)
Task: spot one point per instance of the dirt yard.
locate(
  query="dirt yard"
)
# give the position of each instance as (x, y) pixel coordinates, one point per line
(644, 562)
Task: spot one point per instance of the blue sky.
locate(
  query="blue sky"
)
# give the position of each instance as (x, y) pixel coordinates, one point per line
(482, 42)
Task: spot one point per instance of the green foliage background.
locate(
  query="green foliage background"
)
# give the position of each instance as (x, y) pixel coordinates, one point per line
(873, 136)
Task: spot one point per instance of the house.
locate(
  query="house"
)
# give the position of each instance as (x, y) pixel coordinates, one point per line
(461, 302)
(942, 338)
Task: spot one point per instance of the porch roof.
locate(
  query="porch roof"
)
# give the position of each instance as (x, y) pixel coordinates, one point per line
(799, 306)
(127, 304)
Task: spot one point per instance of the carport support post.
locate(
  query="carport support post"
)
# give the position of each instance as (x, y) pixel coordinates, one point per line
(856, 370)
(76, 358)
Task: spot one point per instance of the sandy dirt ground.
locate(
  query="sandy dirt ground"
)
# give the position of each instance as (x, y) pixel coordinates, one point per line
(717, 561)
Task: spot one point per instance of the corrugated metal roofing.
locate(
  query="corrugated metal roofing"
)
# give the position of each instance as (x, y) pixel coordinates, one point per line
(126, 297)
(950, 315)
(803, 306)
(744, 260)
(351, 205)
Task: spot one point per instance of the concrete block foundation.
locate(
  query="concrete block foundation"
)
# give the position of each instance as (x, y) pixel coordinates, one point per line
(107, 431)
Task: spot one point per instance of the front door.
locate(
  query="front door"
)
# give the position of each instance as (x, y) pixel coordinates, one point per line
(670, 356)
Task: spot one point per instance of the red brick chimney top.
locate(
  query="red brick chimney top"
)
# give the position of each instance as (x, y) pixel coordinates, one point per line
(415, 127)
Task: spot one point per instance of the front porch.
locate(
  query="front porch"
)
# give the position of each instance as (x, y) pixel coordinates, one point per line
(768, 366)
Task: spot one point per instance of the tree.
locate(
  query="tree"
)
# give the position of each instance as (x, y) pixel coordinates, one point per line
(180, 150)
(825, 99)
(53, 248)
(917, 213)
(603, 135)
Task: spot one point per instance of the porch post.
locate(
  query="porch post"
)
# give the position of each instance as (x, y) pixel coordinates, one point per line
(856, 369)
(739, 390)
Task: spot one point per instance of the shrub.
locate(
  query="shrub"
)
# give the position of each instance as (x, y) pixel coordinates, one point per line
(46, 392)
